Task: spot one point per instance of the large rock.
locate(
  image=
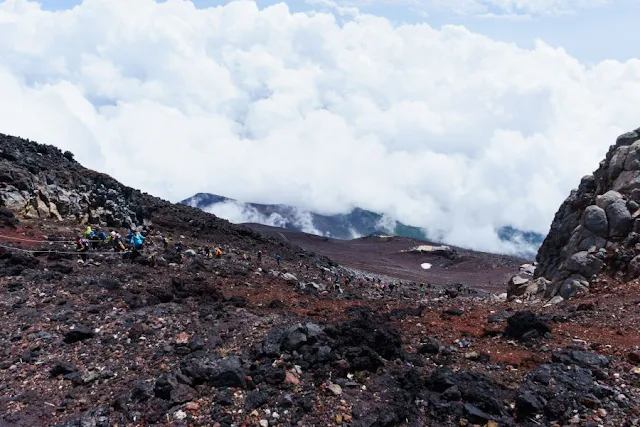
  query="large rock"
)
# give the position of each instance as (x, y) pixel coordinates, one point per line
(227, 373)
(633, 272)
(616, 166)
(538, 286)
(585, 240)
(595, 220)
(584, 263)
(607, 198)
(572, 286)
(620, 220)
(77, 333)
(584, 359)
(525, 325)
(517, 286)
(290, 277)
(555, 390)
(295, 337)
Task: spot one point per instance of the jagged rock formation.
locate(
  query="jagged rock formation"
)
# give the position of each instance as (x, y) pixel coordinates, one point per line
(40, 181)
(597, 226)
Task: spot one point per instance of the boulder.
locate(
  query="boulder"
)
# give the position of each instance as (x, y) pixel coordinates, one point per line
(227, 373)
(538, 286)
(595, 220)
(290, 277)
(628, 138)
(584, 263)
(431, 346)
(584, 359)
(573, 285)
(587, 240)
(631, 158)
(620, 220)
(313, 331)
(633, 271)
(627, 182)
(604, 200)
(77, 333)
(523, 323)
(62, 369)
(294, 338)
(164, 385)
(517, 286)
(553, 390)
(272, 342)
(616, 165)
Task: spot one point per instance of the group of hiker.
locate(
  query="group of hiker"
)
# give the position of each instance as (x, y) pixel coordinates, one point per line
(342, 280)
(136, 241)
(95, 238)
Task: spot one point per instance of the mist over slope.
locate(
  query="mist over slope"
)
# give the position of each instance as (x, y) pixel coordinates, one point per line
(354, 224)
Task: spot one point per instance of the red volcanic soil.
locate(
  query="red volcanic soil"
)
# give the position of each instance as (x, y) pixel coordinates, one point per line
(152, 331)
(384, 256)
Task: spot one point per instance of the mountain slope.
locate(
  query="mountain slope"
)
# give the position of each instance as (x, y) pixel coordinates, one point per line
(403, 258)
(40, 182)
(120, 340)
(357, 223)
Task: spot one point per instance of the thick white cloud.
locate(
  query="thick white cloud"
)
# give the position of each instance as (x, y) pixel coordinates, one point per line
(443, 129)
(488, 8)
(238, 212)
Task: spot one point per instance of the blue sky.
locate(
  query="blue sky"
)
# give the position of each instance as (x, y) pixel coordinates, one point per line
(590, 34)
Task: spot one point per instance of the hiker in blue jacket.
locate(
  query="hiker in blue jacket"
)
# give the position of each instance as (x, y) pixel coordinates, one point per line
(137, 241)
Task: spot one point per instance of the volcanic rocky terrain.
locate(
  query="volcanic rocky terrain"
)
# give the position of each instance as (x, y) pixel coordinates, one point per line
(153, 338)
(403, 258)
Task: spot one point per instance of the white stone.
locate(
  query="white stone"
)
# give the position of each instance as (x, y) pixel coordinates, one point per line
(556, 300)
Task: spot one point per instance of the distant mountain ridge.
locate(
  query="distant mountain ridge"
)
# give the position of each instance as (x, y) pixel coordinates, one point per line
(357, 223)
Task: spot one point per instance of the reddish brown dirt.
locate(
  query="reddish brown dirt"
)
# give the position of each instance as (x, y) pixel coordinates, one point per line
(606, 320)
(383, 256)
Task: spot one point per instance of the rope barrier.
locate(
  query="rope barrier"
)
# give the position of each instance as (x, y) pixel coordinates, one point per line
(36, 241)
(49, 241)
(41, 251)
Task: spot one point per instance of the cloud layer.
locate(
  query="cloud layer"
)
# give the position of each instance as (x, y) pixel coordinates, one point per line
(238, 213)
(488, 8)
(443, 129)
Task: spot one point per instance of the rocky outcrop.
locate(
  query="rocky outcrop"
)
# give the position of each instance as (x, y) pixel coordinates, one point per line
(41, 182)
(596, 227)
